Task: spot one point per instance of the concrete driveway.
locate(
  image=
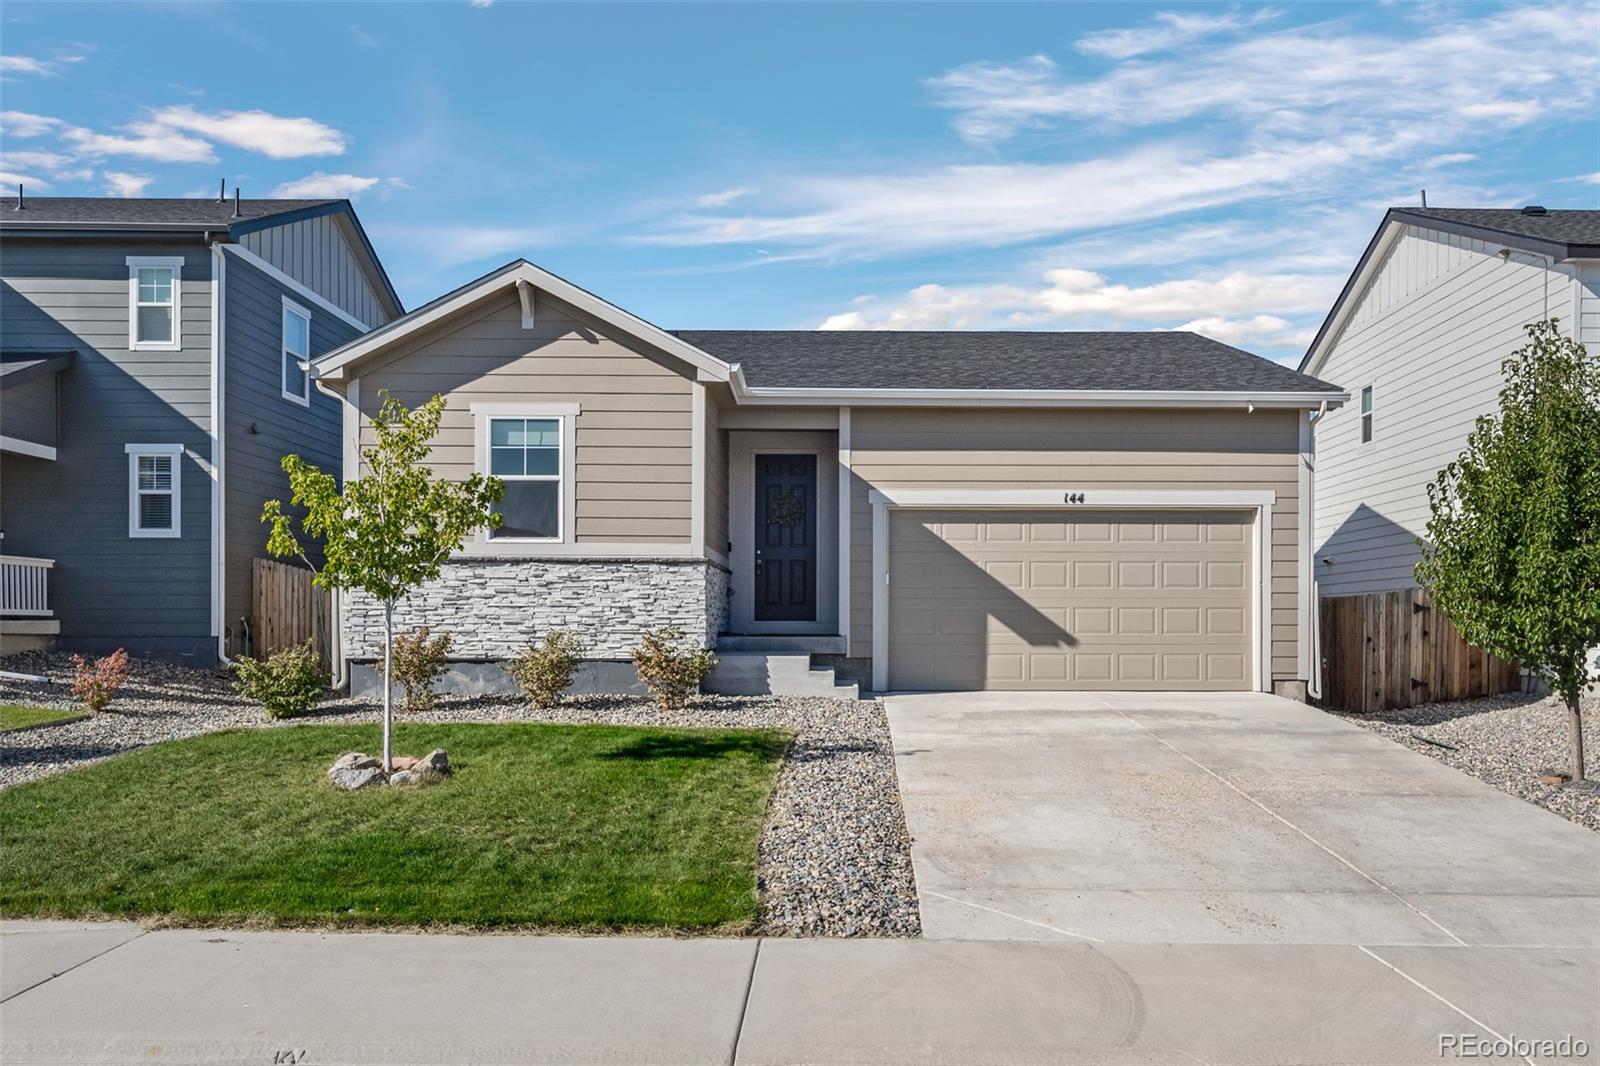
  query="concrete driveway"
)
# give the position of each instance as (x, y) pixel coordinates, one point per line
(1215, 819)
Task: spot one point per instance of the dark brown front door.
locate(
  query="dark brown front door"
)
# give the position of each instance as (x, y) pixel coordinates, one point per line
(786, 538)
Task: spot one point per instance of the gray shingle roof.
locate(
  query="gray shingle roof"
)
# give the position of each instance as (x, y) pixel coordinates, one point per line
(55, 215)
(1565, 234)
(996, 360)
(117, 211)
(26, 364)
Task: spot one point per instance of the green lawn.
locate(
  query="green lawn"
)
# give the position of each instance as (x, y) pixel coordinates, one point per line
(597, 827)
(14, 715)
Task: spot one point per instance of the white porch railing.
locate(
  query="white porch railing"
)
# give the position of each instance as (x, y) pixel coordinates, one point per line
(25, 586)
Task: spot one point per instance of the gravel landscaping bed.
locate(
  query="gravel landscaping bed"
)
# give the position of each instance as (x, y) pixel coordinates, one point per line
(1505, 740)
(834, 858)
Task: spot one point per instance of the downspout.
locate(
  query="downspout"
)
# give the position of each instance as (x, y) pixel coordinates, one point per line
(219, 553)
(1314, 671)
(341, 665)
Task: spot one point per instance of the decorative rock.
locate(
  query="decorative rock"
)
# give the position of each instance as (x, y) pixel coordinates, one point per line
(433, 764)
(403, 777)
(351, 779)
(1554, 777)
(353, 760)
(403, 762)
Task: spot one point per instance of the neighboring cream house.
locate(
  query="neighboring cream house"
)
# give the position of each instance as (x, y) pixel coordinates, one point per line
(916, 510)
(1438, 301)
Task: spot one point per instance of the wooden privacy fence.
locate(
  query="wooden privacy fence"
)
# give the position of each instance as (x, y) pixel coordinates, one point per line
(289, 610)
(1386, 650)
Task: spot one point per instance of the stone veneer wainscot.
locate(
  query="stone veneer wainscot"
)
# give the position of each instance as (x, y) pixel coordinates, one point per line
(494, 607)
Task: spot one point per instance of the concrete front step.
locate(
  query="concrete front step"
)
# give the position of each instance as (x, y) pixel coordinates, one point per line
(770, 674)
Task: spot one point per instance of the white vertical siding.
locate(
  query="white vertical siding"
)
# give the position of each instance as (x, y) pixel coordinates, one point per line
(1588, 304)
(1413, 263)
(317, 252)
(1429, 336)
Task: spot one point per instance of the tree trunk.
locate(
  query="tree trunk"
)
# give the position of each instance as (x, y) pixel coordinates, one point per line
(388, 681)
(1575, 728)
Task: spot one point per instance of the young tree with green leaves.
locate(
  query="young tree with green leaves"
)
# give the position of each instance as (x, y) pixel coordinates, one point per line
(390, 530)
(1513, 548)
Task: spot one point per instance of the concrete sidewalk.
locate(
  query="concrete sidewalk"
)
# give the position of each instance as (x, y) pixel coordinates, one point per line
(116, 994)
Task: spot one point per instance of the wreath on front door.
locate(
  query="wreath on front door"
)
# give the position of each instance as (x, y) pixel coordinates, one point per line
(787, 509)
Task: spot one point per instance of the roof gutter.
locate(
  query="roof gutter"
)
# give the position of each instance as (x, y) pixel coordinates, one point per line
(1560, 251)
(1079, 398)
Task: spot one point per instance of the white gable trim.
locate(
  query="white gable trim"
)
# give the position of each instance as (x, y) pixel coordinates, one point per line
(1350, 298)
(334, 365)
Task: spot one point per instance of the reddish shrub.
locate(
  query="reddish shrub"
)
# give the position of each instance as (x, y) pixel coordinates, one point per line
(95, 683)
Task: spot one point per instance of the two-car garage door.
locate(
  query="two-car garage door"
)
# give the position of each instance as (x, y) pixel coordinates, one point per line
(1068, 599)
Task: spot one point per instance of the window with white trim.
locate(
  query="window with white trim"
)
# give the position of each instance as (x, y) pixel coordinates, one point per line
(529, 447)
(1366, 414)
(155, 299)
(296, 353)
(525, 453)
(155, 490)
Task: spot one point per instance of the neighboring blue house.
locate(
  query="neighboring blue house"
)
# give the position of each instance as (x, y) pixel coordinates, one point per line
(153, 377)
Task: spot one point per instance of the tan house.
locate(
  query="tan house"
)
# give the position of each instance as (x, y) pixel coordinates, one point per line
(979, 510)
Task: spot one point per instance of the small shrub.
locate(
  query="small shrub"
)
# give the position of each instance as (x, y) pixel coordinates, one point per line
(671, 669)
(286, 684)
(418, 662)
(544, 670)
(95, 683)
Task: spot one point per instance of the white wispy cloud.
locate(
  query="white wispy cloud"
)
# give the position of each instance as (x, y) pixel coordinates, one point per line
(362, 38)
(38, 158)
(142, 140)
(28, 65)
(122, 184)
(1267, 331)
(1001, 204)
(1311, 79)
(1069, 294)
(1302, 110)
(319, 184)
(1585, 179)
(276, 136)
(24, 124)
(481, 3)
(723, 198)
(11, 179)
(47, 166)
(1448, 159)
(1166, 31)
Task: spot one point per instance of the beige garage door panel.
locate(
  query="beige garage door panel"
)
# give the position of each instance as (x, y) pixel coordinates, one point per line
(1069, 600)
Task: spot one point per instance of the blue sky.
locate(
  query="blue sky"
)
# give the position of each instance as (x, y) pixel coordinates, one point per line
(1129, 166)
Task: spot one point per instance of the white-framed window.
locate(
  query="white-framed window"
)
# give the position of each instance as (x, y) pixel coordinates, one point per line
(530, 448)
(1366, 414)
(155, 303)
(296, 353)
(155, 490)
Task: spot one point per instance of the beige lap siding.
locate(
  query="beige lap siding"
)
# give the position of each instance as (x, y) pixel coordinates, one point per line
(919, 448)
(633, 429)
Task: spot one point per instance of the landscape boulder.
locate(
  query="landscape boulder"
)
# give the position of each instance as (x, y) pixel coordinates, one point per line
(355, 769)
(432, 765)
(353, 760)
(352, 778)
